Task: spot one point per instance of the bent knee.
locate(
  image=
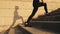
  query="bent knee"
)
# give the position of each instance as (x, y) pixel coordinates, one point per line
(45, 3)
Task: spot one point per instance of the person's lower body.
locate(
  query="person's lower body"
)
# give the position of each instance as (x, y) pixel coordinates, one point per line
(30, 17)
(45, 7)
(35, 10)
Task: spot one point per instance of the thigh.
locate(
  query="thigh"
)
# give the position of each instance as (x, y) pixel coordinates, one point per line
(41, 4)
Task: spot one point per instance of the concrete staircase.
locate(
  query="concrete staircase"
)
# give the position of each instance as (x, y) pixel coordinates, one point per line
(52, 16)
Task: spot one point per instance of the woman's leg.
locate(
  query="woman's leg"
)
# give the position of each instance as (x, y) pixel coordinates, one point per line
(33, 13)
(45, 7)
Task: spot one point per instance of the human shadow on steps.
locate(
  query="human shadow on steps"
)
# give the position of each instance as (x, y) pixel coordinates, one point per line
(16, 17)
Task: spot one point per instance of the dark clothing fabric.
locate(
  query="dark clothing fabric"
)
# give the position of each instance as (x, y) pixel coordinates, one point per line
(36, 5)
(35, 2)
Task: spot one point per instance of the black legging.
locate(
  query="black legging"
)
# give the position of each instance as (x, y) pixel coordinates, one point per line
(35, 10)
